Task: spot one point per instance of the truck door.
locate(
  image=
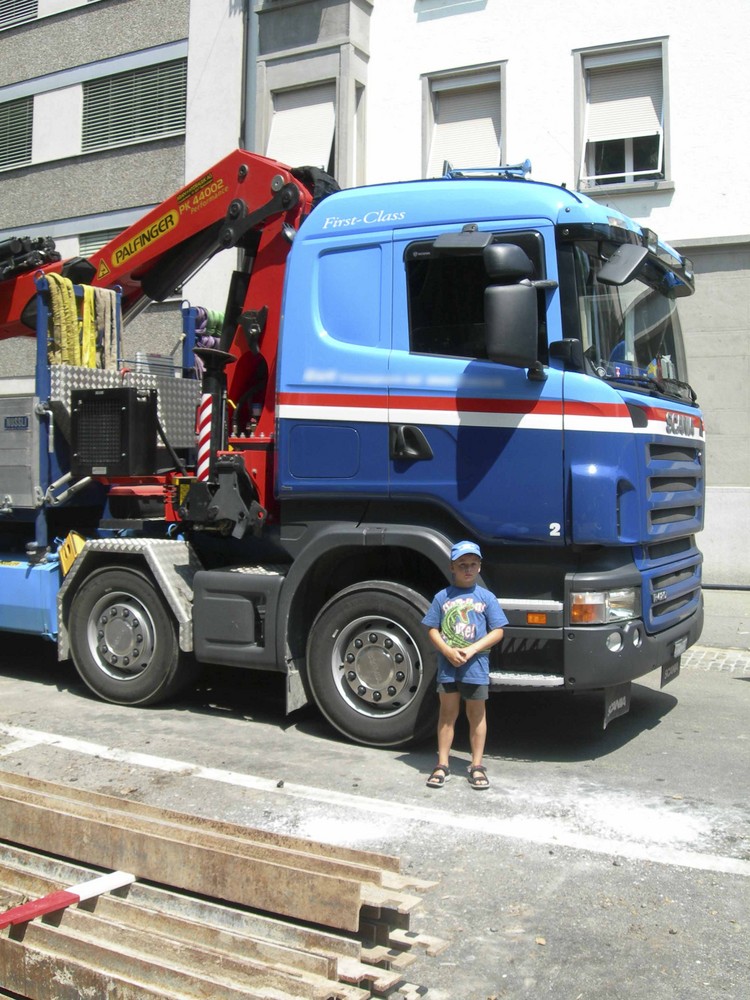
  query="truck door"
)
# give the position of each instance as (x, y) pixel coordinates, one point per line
(478, 438)
(333, 395)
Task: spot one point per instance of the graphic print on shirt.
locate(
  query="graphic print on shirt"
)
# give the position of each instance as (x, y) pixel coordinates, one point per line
(456, 627)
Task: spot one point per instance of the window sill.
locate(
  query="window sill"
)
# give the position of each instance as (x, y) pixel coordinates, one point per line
(605, 191)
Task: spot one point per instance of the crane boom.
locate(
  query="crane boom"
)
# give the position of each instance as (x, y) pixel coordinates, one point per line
(243, 200)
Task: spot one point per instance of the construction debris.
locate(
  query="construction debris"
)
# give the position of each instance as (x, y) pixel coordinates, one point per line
(217, 910)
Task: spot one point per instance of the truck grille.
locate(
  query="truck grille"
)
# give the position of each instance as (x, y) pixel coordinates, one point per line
(671, 583)
(675, 489)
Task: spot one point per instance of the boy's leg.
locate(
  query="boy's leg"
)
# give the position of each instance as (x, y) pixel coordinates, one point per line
(449, 707)
(476, 713)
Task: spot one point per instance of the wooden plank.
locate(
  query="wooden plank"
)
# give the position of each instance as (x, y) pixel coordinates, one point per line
(37, 972)
(98, 801)
(225, 874)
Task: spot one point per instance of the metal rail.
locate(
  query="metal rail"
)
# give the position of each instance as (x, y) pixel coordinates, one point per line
(218, 910)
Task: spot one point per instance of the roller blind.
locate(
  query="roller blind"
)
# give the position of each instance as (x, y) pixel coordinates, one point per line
(466, 129)
(89, 243)
(16, 121)
(126, 108)
(14, 12)
(303, 126)
(624, 101)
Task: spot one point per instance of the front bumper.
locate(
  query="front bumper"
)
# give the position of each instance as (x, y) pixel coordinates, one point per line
(589, 664)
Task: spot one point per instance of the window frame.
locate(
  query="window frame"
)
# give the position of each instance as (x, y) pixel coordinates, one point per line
(460, 278)
(620, 56)
(461, 79)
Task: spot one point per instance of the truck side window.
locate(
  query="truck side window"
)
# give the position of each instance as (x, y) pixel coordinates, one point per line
(446, 296)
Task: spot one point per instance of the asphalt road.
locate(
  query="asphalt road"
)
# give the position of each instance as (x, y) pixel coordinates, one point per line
(599, 864)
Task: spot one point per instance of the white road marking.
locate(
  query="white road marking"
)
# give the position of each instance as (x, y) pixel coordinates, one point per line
(545, 831)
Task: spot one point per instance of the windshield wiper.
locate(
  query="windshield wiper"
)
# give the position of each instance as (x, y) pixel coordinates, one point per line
(685, 386)
(647, 380)
(660, 385)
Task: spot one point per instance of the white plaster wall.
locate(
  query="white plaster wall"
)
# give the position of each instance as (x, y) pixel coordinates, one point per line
(58, 118)
(708, 119)
(214, 116)
(724, 542)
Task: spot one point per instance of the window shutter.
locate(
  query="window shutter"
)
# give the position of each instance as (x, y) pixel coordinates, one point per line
(89, 243)
(466, 131)
(142, 104)
(303, 126)
(16, 121)
(624, 102)
(14, 12)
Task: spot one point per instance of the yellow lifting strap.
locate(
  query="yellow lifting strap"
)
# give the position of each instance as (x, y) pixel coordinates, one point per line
(73, 334)
(64, 345)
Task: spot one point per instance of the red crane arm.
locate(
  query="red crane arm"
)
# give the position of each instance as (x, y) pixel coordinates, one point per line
(233, 203)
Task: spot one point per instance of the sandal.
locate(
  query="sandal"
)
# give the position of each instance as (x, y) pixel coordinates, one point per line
(439, 776)
(478, 777)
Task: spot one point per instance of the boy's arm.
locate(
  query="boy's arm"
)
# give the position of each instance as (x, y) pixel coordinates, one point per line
(486, 642)
(456, 657)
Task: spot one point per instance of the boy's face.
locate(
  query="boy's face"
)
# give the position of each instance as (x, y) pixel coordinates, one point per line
(466, 570)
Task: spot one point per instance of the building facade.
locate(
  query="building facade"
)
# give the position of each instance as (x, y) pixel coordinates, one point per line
(106, 106)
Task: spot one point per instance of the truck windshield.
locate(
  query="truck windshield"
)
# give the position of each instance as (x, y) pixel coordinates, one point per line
(630, 333)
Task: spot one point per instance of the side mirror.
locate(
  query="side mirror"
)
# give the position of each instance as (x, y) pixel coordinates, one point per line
(512, 320)
(622, 265)
(506, 262)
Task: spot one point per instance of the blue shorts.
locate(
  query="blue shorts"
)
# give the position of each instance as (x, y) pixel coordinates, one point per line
(469, 692)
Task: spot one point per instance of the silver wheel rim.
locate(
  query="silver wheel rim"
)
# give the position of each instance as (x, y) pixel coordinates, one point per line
(121, 636)
(376, 666)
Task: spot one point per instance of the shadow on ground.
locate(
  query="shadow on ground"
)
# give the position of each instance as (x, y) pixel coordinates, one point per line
(547, 726)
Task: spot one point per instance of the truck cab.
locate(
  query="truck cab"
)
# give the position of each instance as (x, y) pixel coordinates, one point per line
(500, 359)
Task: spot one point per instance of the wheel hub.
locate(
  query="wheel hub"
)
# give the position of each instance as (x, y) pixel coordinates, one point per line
(378, 666)
(121, 636)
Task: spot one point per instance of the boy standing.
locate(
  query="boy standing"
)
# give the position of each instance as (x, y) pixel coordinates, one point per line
(464, 622)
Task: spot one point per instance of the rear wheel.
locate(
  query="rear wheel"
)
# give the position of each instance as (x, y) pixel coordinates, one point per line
(123, 639)
(371, 667)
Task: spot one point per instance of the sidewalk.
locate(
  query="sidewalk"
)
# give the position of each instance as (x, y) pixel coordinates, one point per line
(714, 658)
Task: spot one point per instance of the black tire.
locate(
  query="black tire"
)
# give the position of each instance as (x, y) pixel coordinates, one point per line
(123, 639)
(371, 666)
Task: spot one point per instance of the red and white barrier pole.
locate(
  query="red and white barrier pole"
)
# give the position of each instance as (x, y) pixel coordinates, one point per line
(203, 433)
(64, 898)
(211, 417)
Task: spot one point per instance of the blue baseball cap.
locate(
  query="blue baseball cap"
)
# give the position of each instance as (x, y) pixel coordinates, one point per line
(465, 549)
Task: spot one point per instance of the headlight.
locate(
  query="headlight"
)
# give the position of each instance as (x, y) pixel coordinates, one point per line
(602, 607)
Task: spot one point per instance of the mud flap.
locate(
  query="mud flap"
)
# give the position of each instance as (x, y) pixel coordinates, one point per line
(669, 671)
(616, 702)
(296, 692)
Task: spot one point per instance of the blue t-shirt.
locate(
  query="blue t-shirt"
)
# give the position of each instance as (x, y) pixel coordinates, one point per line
(463, 615)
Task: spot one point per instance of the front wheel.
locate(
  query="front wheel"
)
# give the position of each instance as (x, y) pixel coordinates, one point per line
(123, 638)
(371, 666)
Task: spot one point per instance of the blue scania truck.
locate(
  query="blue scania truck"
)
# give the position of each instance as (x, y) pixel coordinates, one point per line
(397, 367)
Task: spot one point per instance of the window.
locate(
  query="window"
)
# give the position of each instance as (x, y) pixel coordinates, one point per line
(13, 12)
(141, 104)
(16, 120)
(624, 116)
(446, 295)
(303, 127)
(89, 243)
(464, 126)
